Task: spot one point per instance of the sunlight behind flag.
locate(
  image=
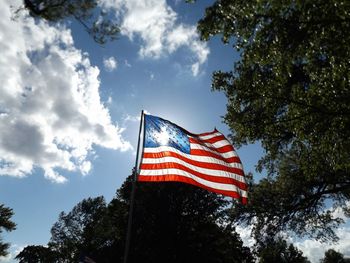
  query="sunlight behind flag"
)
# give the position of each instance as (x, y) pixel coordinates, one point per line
(207, 160)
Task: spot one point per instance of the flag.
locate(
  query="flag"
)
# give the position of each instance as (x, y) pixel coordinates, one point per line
(207, 160)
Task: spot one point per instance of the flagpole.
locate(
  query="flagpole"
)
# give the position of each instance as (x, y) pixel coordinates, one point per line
(132, 198)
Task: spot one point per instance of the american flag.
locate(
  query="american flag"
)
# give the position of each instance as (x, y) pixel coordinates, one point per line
(207, 160)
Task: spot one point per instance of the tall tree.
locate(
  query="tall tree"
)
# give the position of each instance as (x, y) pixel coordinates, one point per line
(37, 254)
(87, 12)
(78, 232)
(5, 224)
(175, 222)
(290, 91)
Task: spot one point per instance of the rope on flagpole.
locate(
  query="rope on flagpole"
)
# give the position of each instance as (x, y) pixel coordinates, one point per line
(132, 198)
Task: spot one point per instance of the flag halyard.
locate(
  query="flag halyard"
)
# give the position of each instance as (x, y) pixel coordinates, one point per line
(207, 160)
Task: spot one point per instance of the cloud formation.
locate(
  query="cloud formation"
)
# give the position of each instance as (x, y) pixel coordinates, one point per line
(51, 114)
(110, 64)
(14, 250)
(315, 250)
(156, 25)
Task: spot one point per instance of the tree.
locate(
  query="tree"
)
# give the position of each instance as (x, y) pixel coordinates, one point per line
(176, 222)
(37, 254)
(86, 12)
(7, 225)
(277, 250)
(332, 256)
(78, 231)
(289, 91)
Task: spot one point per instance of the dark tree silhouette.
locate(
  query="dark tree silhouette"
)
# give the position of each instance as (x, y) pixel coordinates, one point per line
(37, 254)
(277, 250)
(175, 222)
(78, 231)
(332, 256)
(7, 225)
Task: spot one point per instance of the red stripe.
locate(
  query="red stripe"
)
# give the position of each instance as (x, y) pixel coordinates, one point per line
(179, 178)
(212, 140)
(206, 165)
(223, 149)
(216, 179)
(205, 133)
(198, 152)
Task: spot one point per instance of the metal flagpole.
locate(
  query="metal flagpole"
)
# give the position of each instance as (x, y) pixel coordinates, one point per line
(132, 198)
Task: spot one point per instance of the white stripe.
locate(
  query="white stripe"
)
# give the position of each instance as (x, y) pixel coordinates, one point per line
(209, 136)
(218, 186)
(202, 147)
(217, 144)
(206, 171)
(197, 158)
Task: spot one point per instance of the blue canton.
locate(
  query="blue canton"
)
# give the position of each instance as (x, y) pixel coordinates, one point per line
(160, 132)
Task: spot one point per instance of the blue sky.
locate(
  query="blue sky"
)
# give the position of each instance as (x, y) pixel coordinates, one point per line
(69, 110)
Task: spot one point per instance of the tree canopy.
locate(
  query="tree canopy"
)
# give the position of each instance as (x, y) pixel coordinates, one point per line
(290, 91)
(184, 224)
(173, 222)
(37, 254)
(277, 250)
(5, 224)
(332, 256)
(87, 12)
(79, 230)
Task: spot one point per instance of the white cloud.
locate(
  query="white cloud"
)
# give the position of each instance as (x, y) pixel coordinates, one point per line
(151, 76)
(51, 114)
(130, 118)
(127, 64)
(195, 69)
(110, 64)
(339, 212)
(14, 250)
(6, 258)
(246, 235)
(156, 25)
(315, 250)
(110, 100)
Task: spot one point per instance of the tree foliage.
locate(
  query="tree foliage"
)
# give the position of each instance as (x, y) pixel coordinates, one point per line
(332, 256)
(37, 254)
(86, 12)
(172, 223)
(277, 250)
(290, 91)
(78, 231)
(5, 224)
(175, 222)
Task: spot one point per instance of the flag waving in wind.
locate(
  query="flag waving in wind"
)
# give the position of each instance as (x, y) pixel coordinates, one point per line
(207, 160)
